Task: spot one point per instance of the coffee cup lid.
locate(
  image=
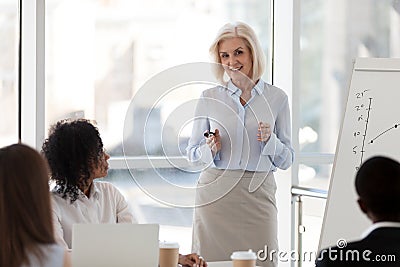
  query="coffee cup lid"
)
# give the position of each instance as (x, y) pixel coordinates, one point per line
(244, 255)
(168, 244)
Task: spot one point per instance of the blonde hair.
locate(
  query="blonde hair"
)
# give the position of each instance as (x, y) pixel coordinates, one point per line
(244, 31)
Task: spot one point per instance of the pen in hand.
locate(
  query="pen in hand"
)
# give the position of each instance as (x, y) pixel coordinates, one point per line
(208, 134)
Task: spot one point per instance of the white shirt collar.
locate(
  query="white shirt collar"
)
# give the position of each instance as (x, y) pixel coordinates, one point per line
(258, 87)
(379, 225)
(94, 192)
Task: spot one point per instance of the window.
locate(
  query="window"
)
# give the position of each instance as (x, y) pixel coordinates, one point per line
(97, 61)
(332, 35)
(9, 34)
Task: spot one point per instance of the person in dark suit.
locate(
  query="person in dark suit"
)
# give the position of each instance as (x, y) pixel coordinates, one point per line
(378, 187)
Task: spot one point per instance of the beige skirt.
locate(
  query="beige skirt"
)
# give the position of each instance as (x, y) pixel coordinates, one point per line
(231, 216)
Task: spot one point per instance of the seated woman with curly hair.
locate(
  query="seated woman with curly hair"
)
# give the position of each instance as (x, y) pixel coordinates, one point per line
(75, 153)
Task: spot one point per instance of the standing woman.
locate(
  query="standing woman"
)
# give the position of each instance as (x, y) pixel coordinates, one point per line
(26, 230)
(242, 134)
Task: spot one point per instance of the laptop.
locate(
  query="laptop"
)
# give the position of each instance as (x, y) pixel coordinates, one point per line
(122, 245)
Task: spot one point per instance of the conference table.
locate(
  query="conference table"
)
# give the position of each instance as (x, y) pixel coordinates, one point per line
(220, 264)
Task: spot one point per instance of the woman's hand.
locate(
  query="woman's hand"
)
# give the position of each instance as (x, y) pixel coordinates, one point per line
(264, 132)
(192, 260)
(214, 142)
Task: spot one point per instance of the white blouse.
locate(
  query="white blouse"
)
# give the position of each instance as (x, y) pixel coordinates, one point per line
(104, 205)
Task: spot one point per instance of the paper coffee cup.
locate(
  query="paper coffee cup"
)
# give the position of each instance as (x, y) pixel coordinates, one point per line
(169, 254)
(244, 258)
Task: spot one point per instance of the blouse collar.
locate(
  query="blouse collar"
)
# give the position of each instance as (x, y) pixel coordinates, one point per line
(259, 88)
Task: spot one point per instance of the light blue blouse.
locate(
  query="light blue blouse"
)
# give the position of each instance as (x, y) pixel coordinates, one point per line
(220, 108)
(53, 257)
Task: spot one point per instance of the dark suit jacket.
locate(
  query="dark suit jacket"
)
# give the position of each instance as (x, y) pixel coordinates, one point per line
(380, 248)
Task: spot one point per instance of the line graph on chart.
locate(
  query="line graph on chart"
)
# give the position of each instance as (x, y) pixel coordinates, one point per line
(364, 135)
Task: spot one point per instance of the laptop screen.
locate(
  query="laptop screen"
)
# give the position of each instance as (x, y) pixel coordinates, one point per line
(120, 245)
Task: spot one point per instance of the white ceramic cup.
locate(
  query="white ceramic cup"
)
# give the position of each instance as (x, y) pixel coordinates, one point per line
(244, 258)
(169, 254)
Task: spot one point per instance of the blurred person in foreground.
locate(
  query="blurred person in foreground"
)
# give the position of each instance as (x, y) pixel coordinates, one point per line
(378, 187)
(26, 230)
(242, 134)
(76, 156)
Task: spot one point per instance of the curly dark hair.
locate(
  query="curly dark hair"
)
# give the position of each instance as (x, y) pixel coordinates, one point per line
(73, 149)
